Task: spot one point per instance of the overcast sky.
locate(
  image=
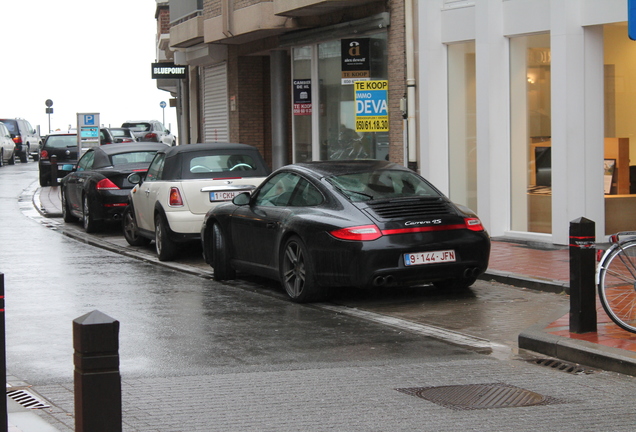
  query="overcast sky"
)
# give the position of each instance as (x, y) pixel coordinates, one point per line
(84, 55)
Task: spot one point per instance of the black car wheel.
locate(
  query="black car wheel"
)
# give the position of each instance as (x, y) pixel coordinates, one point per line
(66, 211)
(24, 156)
(131, 233)
(90, 225)
(166, 248)
(1, 157)
(221, 256)
(296, 272)
(12, 158)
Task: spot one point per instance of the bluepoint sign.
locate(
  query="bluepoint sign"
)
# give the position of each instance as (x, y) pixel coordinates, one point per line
(169, 71)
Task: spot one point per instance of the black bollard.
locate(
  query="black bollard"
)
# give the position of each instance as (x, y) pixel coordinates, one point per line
(53, 170)
(97, 381)
(582, 276)
(4, 416)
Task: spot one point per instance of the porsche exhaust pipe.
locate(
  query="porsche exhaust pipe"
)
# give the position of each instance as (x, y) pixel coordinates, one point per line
(383, 280)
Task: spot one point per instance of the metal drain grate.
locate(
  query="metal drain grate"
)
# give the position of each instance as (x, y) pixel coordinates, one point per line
(26, 399)
(562, 366)
(479, 396)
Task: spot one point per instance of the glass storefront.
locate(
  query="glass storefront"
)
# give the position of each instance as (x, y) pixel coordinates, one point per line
(330, 104)
(531, 161)
(462, 125)
(620, 129)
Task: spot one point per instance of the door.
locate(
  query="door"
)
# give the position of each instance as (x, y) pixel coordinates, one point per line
(144, 195)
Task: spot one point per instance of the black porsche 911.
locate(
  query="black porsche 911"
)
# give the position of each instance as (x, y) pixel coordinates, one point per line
(317, 225)
(97, 188)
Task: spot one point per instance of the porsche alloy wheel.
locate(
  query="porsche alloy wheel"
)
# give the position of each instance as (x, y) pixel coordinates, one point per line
(296, 272)
(221, 256)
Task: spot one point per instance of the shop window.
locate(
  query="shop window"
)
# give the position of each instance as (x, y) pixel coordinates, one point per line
(531, 152)
(620, 129)
(462, 124)
(329, 104)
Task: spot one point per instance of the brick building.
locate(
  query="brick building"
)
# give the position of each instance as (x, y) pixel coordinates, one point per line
(277, 74)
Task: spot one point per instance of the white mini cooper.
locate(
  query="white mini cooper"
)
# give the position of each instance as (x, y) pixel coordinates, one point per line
(169, 202)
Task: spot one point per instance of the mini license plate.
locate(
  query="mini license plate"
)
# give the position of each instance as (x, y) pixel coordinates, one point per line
(67, 167)
(224, 196)
(434, 257)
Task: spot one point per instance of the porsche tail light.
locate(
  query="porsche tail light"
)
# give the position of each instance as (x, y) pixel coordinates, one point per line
(175, 198)
(106, 184)
(359, 233)
(473, 224)
(151, 136)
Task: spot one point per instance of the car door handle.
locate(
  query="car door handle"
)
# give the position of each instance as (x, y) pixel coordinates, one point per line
(147, 192)
(271, 225)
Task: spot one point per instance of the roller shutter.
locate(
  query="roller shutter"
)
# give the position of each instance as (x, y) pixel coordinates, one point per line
(215, 104)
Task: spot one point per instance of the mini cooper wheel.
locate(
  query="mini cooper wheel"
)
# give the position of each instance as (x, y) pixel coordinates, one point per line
(296, 272)
(66, 211)
(90, 224)
(221, 256)
(166, 248)
(131, 233)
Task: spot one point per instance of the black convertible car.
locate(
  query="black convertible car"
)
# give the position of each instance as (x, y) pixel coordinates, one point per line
(359, 223)
(97, 188)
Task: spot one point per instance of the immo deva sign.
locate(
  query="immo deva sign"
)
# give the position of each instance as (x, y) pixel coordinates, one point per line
(169, 71)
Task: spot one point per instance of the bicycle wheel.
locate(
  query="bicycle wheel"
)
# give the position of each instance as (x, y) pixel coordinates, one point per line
(617, 284)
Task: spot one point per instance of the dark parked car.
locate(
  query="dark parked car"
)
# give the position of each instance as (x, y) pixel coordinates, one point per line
(362, 223)
(97, 189)
(115, 135)
(64, 147)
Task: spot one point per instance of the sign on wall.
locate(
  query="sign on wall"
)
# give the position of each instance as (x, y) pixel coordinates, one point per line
(372, 112)
(169, 71)
(355, 60)
(302, 97)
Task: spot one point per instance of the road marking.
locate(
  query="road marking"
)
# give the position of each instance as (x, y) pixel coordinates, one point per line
(422, 329)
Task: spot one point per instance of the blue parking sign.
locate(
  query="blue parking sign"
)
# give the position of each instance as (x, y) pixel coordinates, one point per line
(89, 119)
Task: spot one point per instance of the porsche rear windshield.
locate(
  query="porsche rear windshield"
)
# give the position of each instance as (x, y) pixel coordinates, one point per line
(383, 184)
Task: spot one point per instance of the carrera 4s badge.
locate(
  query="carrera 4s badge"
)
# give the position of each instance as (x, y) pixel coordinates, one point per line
(416, 223)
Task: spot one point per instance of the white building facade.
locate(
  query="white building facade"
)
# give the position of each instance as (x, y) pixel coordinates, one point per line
(526, 112)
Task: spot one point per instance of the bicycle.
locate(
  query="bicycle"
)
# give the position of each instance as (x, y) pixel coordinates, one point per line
(616, 280)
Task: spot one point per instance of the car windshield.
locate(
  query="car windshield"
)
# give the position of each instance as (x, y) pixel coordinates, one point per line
(383, 184)
(139, 127)
(132, 157)
(61, 141)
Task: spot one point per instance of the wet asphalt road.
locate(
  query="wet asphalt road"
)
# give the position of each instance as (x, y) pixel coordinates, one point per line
(198, 355)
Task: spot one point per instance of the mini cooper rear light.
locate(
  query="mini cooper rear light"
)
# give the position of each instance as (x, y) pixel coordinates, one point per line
(474, 224)
(44, 154)
(106, 184)
(359, 233)
(175, 198)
